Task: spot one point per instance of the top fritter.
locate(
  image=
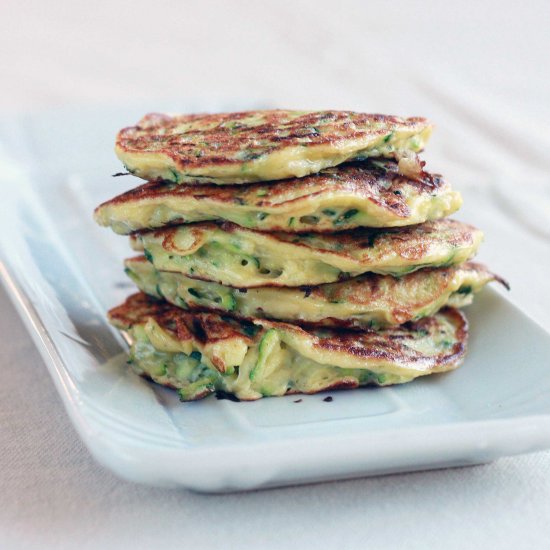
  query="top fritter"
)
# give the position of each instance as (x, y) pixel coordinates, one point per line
(261, 145)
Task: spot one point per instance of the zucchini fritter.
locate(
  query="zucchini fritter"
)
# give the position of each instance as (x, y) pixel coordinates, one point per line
(200, 353)
(245, 258)
(367, 301)
(261, 145)
(367, 194)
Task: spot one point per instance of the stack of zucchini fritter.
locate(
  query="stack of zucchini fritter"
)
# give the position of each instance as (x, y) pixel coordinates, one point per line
(290, 252)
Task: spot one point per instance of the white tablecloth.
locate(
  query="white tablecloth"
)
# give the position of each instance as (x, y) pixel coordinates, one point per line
(480, 70)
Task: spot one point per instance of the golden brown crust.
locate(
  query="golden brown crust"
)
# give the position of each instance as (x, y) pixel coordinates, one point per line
(378, 183)
(409, 242)
(182, 325)
(352, 304)
(137, 307)
(202, 140)
(366, 179)
(394, 343)
(397, 345)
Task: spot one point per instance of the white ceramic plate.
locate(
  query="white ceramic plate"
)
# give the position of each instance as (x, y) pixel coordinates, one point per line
(63, 273)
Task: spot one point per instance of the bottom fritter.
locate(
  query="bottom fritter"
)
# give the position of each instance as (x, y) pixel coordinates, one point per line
(202, 353)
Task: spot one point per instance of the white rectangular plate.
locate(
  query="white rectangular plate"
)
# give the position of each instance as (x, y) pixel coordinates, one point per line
(63, 273)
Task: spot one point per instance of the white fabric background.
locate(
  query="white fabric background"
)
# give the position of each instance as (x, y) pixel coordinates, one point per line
(479, 69)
